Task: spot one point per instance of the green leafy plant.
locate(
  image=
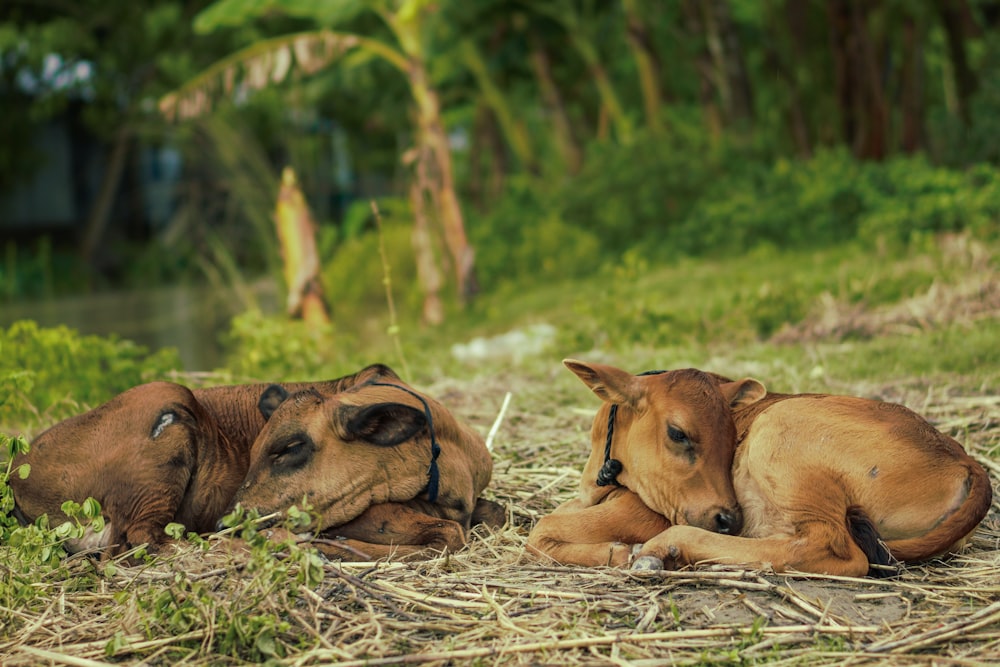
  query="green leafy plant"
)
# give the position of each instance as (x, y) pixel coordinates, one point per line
(272, 347)
(53, 371)
(39, 542)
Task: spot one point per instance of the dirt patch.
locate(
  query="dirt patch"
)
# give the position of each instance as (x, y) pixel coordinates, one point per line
(974, 298)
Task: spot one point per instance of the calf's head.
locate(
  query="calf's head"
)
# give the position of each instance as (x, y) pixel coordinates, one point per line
(669, 437)
(376, 442)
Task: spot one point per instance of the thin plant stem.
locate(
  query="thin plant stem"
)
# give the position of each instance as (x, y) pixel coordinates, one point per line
(393, 329)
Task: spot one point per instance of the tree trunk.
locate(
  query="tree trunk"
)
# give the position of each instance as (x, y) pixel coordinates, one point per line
(435, 139)
(841, 47)
(912, 88)
(860, 90)
(731, 77)
(952, 13)
(795, 26)
(423, 246)
(100, 212)
(706, 74)
(297, 236)
(874, 143)
(569, 149)
(646, 63)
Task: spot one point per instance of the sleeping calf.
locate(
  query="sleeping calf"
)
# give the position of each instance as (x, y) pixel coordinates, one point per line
(690, 467)
(390, 466)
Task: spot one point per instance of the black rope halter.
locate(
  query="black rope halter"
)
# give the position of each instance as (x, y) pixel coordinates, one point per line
(433, 473)
(608, 474)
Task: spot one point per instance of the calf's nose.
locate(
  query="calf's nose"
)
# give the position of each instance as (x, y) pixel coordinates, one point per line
(729, 521)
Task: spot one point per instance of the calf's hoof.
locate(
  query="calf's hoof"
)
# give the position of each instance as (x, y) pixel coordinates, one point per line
(647, 563)
(489, 513)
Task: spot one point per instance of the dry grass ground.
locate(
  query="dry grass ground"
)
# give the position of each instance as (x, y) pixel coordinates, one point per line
(492, 604)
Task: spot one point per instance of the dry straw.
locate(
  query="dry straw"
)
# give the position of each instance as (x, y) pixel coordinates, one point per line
(491, 604)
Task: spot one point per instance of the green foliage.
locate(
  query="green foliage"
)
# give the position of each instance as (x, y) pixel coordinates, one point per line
(56, 370)
(910, 199)
(788, 204)
(250, 624)
(274, 347)
(353, 277)
(834, 198)
(10, 447)
(231, 13)
(659, 198)
(34, 552)
(637, 193)
(525, 239)
(664, 198)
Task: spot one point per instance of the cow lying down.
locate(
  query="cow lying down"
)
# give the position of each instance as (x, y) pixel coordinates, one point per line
(385, 468)
(689, 467)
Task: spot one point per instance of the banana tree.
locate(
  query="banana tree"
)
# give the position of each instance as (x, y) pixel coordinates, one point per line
(584, 37)
(640, 43)
(270, 61)
(297, 237)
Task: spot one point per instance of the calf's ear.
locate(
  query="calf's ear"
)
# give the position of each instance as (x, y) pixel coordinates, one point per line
(377, 372)
(609, 383)
(383, 424)
(743, 392)
(269, 401)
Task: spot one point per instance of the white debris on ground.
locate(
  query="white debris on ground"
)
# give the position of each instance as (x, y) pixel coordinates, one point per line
(516, 344)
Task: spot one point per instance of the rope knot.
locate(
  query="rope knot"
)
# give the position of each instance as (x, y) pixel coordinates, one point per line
(608, 474)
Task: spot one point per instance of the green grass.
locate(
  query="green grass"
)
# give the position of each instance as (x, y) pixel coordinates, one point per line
(715, 312)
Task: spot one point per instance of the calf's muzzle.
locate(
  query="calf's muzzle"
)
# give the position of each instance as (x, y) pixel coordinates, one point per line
(729, 521)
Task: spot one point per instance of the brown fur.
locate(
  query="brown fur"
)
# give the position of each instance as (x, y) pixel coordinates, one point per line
(161, 452)
(807, 468)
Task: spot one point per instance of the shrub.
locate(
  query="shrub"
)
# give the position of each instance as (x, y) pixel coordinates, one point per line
(833, 198)
(636, 194)
(524, 239)
(55, 370)
(353, 277)
(908, 198)
(272, 349)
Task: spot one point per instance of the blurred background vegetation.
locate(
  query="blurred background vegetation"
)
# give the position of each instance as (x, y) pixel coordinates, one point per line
(532, 159)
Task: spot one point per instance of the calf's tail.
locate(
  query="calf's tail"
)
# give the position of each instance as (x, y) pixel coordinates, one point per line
(881, 563)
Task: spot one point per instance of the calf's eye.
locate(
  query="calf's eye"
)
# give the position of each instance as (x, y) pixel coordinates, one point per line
(288, 450)
(676, 434)
(292, 454)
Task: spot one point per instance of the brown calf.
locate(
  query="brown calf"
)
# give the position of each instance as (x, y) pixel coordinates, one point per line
(828, 484)
(161, 453)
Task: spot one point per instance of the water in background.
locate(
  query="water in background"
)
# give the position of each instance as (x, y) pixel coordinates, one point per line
(191, 319)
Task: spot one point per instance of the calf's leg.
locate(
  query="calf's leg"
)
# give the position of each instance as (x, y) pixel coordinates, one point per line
(489, 513)
(593, 535)
(820, 547)
(391, 530)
